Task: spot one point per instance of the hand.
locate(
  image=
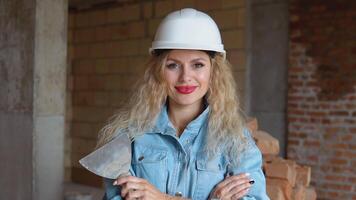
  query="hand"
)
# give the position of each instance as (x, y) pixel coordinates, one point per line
(232, 187)
(137, 188)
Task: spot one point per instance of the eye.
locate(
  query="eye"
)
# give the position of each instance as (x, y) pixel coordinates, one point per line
(199, 65)
(172, 65)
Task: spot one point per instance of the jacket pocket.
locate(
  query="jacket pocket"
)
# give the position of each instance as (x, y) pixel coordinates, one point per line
(151, 164)
(209, 174)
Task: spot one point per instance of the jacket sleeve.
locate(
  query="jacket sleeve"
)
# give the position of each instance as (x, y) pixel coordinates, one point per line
(251, 162)
(112, 192)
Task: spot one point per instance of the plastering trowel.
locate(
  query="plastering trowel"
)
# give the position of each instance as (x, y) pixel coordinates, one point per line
(111, 160)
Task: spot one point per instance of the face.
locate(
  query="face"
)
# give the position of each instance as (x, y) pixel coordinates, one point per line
(187, 74)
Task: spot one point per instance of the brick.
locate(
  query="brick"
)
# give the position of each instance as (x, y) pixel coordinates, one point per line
(83, 67)
(102, 66)
(125, 48)
(81, 145)
(269, 158)
(118, 99)
(82, 19)
(283, 185)
(233, 39)
(96, 83)
(281, 169)
(237, 58)
(152, 26)
(241, 18)
(81, 51)
(71, 20)
(70, 54)
(103, 33)
(91, 114)
(147, 10)
(303, 175)
(206, 5)
(75, 157)
(240, 78)
(70, 84)
(128, 30)
(274, 192)
(226, 19)
(89, 98)
(100, 50)
(233, 3)
(310, 193)
(145, 44)
(120, 82)
(119, 65)
(179, 4)
(80, 83)
(86, 130)
(137, 65)
(299, 193)
(98, 17)
(124, 13)
(162, 8)
(266, 143)
(252, 124)
(70, 36)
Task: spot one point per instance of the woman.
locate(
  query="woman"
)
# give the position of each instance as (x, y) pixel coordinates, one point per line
(189, 140)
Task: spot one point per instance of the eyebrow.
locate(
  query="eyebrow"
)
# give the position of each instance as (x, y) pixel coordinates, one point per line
(194, 60)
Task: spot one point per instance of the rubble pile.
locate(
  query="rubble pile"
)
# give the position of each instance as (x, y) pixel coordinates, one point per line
(286, 180)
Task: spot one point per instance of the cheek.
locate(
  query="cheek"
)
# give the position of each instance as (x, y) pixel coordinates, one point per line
(204, 79)
(169, 78)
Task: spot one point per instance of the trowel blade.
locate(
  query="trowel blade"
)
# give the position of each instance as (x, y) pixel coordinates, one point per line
(111, 160)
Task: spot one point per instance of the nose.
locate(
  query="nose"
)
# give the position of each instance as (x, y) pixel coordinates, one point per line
(185, 74)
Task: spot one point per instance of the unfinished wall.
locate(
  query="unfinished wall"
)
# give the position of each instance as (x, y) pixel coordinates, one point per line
(32, 81)
(109, 44)
(322, 94)
(16, 99)
(267, 66)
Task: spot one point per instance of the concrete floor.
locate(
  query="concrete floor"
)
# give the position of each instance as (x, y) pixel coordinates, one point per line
(82, 192)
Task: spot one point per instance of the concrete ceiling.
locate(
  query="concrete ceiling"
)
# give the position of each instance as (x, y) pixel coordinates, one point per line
(84, 4)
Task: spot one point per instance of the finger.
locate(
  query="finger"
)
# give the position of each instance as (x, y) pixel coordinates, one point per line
(233, 178)
(125, 188)
(135, 194)
(125, 179)
(239, 189)
(240, 194)
(229, 189)
(225, 186)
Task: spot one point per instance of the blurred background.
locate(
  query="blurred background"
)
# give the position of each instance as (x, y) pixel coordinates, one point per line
(67, 65)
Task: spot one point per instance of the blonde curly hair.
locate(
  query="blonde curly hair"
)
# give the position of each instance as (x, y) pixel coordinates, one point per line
(226, 120)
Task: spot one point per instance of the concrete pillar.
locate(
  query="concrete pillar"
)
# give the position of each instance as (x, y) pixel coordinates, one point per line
(32, 101)
(267, 65)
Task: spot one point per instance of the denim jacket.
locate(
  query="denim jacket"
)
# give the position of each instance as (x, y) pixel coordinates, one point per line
(177, 165)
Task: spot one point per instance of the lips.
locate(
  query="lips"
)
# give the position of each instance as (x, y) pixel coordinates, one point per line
(185, 89)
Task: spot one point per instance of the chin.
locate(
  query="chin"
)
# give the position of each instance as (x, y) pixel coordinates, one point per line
(187, 101)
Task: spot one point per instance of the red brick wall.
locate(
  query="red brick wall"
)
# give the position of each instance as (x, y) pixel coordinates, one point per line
(322, 93)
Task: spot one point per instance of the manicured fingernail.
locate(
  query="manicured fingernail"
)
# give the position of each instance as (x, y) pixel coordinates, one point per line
(247, 174)
(252, 181)
(115, 183)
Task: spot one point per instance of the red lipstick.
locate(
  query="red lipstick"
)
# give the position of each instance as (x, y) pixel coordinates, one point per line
(185, 89)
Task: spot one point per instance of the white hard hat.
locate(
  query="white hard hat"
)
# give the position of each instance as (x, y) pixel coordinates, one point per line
(188, 29)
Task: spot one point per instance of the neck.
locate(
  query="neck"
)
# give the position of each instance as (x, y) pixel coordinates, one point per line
(181, 115)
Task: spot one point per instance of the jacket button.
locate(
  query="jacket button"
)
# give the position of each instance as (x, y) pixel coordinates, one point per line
(141, 158)
(178, 194)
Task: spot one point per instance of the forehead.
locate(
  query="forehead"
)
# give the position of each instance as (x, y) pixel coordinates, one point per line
(186, 55)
